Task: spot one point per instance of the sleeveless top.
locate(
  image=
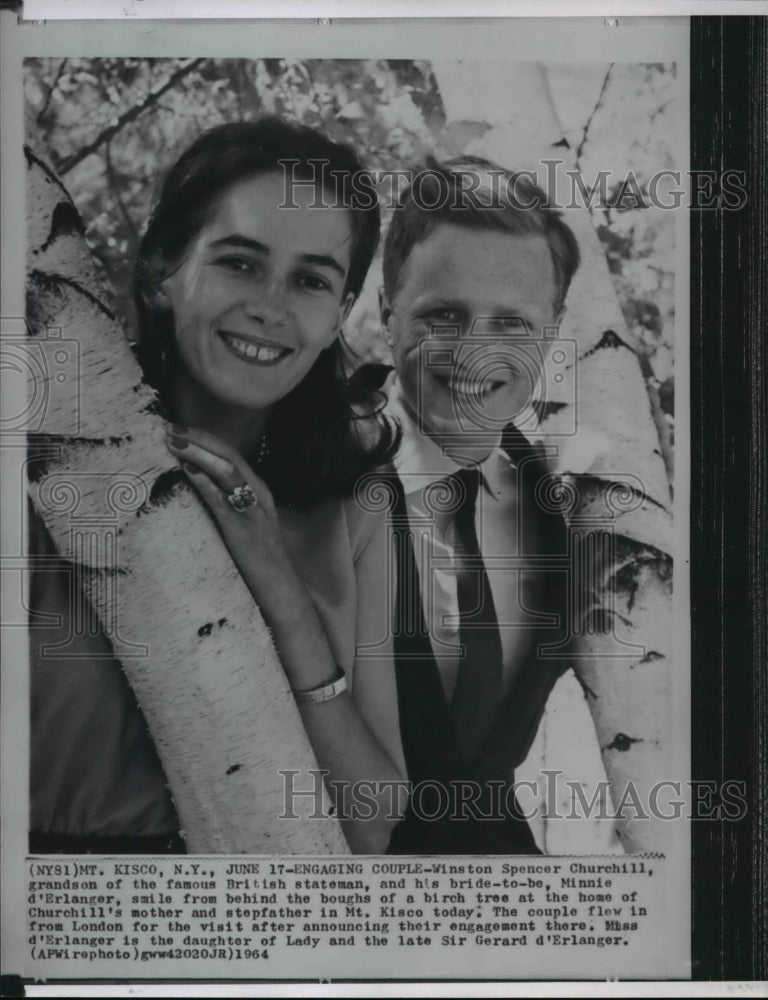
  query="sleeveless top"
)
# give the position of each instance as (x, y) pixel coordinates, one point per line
(95, 774)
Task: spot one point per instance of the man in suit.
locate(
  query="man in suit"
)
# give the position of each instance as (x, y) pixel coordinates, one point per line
(476, 271)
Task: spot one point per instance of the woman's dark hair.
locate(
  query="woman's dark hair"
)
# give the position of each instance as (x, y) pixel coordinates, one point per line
(327, 431)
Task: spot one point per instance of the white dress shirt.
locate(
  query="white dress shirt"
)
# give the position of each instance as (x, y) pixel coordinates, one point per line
(499, 523)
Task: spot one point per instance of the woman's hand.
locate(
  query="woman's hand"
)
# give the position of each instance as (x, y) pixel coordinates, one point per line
(252, 535)
(344, 744)
(255, 541)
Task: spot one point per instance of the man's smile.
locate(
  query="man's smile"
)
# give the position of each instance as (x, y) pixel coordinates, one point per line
(467, 386)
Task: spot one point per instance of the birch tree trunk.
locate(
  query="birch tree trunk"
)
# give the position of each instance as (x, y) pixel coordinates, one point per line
(612, 469)
(180, 619)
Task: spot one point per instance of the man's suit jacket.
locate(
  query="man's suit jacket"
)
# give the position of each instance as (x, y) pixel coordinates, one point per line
(490, 820)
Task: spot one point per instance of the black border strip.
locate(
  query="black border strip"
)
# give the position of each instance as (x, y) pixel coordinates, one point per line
(729, 522)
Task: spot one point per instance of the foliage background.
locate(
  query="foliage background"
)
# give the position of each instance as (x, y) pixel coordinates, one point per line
(113, 125)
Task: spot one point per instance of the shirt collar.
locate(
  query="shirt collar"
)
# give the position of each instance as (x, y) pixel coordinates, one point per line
(420, 461)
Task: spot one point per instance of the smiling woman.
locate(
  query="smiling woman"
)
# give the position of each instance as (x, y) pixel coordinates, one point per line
(240, 296)
(250, 251)
(259, 295)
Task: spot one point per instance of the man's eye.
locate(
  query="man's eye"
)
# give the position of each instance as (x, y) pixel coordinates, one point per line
(448, 320)
(446, 315)
(509, 323)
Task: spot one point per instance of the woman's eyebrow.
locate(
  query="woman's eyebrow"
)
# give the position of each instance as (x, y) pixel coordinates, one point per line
(324, 260)
(244, 242)
(248, 243)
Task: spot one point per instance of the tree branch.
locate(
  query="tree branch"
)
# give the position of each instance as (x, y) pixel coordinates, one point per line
(114, 184)
(130, 115)
(662, 428)
(253, 93)
(49, 95)
(598, 105)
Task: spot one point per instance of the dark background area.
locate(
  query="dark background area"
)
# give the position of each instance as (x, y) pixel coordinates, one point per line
(729, 466)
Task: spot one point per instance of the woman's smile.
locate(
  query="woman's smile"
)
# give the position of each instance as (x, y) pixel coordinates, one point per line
(254, 350)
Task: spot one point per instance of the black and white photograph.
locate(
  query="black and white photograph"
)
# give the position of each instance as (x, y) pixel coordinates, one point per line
(147, 150)
(347, 431)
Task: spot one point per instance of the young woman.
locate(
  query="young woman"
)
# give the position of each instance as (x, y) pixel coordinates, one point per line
(250, 264)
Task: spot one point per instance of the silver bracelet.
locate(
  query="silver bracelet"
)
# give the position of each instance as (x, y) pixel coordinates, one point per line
(323, 692)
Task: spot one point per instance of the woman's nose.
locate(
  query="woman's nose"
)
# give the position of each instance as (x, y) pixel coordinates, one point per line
(269, 302)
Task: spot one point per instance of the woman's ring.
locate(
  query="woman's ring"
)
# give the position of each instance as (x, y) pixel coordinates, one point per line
(241, 498)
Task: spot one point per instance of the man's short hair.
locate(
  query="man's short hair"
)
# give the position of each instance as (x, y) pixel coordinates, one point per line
(478, 194)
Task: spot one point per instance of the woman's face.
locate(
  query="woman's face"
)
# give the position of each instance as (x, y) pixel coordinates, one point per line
(259, 293)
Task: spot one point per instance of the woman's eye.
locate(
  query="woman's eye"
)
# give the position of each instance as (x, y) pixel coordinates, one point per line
(314, 283)
(234, 262)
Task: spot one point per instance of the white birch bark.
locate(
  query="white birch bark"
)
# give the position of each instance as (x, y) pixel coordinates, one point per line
(504, 112)
(185, 627)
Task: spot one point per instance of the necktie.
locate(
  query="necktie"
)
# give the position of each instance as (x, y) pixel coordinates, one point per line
(478, 685)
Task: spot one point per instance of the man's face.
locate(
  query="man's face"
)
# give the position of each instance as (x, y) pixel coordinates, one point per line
(467, 328)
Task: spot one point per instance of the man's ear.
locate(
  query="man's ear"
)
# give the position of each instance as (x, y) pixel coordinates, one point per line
(385, 309)
(345, 308)
(551, 330)
(385, 312)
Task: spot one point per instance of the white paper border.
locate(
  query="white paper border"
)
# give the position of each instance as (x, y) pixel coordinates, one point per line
(630, 40)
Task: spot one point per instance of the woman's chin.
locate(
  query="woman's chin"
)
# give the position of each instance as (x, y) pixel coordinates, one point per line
(254, 390)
